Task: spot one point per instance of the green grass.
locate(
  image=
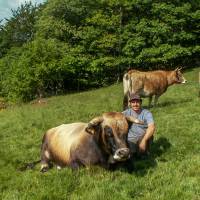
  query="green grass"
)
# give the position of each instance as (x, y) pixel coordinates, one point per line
(171, 172)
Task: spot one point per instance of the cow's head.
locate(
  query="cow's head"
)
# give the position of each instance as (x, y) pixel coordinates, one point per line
(112, 131)
(179, 76)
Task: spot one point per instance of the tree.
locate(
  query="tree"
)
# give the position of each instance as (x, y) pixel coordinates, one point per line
(19, 29)
(76, 44)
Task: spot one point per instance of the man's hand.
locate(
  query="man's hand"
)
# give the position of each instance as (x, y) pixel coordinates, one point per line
(142, 146)
(149, 133)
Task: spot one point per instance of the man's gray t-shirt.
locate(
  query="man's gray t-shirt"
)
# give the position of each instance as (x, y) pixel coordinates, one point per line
(136, 131)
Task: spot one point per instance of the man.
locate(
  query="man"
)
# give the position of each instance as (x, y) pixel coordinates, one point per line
(139, 136)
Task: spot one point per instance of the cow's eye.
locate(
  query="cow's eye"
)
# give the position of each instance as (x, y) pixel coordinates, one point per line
(108, 131)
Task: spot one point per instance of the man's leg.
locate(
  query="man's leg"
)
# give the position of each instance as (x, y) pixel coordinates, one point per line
(149, 143)
(148, 148)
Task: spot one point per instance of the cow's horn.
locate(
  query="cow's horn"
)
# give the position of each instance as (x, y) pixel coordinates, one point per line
(93, 124)
(134, 120)
(178, 68)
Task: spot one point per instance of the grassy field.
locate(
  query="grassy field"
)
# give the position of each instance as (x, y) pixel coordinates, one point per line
(171, 172)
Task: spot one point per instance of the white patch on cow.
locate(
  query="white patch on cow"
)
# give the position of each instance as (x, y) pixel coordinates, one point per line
(44, 165)
(46, 153)
(184, 81)
(58, 167)
(116, 157)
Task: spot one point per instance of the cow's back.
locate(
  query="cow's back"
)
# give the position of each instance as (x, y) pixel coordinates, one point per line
(156, 82)
(148, 83)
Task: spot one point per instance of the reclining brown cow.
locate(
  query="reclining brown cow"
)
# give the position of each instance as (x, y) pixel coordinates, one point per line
(149, 84)
(100, 142)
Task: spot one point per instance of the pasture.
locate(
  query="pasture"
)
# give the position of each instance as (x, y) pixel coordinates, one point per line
(171, 172)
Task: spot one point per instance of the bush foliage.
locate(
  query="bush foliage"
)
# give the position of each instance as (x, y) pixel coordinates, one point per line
(64, 45)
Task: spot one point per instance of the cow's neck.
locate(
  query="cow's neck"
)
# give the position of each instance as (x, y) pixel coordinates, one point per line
(170, 78)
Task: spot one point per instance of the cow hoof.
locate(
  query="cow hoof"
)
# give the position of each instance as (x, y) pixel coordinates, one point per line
(59, 167)
(44, 169)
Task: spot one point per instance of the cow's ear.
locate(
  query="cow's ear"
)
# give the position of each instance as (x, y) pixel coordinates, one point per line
(134, 120)
(93, 125)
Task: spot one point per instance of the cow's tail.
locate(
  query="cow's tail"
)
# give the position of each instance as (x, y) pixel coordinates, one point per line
(126, 86)
(29, 165)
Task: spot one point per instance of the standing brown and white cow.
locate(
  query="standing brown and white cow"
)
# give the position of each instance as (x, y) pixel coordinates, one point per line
(149, 84)
(100, 142)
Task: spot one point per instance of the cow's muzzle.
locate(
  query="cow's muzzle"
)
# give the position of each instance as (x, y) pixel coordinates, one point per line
(121, 154)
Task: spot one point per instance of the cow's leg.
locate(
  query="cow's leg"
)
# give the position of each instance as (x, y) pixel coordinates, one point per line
(156, 100)
(150, 100)
(76, 164)
(45, 161)
(45, 158)
(125, 101)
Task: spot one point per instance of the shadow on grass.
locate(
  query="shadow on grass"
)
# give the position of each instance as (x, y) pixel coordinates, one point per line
(169, 103)
(141, 164)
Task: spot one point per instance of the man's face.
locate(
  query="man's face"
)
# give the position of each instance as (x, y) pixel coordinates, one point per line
(136, 105)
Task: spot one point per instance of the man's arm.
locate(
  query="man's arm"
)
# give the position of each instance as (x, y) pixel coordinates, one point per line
(149, 133)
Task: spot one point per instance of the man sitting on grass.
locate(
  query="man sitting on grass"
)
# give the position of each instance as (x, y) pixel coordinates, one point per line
(140, 136)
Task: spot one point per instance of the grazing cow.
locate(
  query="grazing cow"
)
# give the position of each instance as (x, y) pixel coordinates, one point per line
(149, 84)
(102, 141)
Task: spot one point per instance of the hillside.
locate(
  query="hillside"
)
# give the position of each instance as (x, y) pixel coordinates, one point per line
(171, 172)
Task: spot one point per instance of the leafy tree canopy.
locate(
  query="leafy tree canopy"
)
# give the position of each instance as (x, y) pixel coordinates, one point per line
(76, 44)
